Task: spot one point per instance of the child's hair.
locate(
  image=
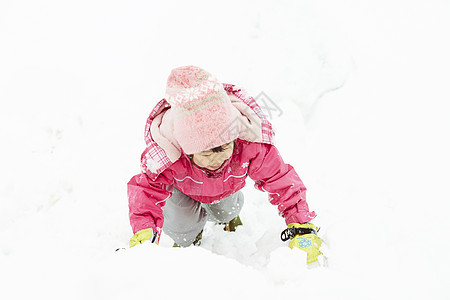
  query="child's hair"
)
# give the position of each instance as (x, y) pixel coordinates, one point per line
(217, 149)
(220, 148)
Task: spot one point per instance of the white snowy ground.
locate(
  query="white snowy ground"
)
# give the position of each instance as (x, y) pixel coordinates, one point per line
(362, 86)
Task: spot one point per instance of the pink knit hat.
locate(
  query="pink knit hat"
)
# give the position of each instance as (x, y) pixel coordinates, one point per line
(204, 116)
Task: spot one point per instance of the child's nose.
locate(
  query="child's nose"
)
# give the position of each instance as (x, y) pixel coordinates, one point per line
(218, 159)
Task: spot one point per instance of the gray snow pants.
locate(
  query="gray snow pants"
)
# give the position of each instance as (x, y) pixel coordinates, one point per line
(184, 217)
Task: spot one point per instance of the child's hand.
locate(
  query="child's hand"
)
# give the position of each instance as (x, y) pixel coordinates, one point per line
(141, 236)
(303, 236)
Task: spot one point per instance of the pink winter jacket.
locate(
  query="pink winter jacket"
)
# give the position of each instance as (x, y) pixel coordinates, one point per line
(149, 190)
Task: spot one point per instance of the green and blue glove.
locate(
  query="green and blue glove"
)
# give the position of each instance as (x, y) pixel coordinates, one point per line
(303, 236)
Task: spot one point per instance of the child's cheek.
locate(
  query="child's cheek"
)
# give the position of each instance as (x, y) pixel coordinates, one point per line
(201, 161)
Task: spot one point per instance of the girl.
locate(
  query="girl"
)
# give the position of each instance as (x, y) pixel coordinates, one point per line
(203, 140)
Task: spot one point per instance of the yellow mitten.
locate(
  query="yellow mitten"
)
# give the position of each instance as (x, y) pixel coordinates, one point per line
(303, 236)
(143, 235)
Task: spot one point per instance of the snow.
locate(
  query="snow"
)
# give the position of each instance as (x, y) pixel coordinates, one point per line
(362, 85)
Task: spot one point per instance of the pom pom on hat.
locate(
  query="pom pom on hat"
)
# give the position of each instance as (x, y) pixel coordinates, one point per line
(204, 116)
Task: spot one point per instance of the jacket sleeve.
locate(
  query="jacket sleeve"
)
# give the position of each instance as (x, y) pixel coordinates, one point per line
(283, 184)
(146, 200)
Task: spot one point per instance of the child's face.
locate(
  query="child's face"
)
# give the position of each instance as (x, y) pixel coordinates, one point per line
(213, 160)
